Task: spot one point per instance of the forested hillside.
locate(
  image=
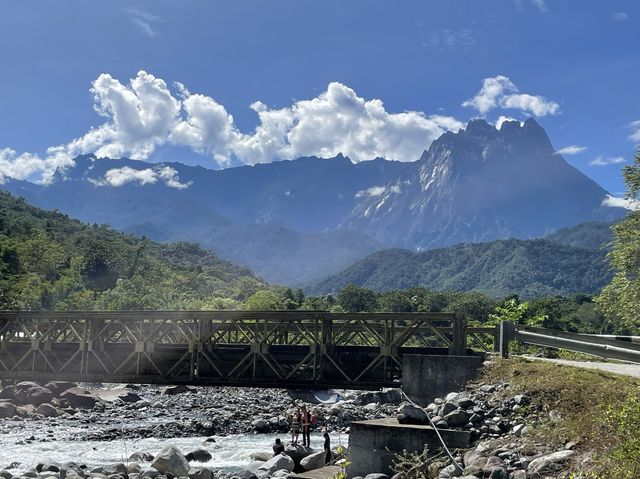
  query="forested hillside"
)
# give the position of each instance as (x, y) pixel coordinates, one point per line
(50, 261)
(529, 268)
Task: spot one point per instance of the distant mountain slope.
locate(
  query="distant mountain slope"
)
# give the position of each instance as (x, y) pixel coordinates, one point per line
(50, 261)
(300, 220)
(530, 268)
(591, 235)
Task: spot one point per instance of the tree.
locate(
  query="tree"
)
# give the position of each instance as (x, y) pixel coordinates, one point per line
(354, 299)
(620, 299)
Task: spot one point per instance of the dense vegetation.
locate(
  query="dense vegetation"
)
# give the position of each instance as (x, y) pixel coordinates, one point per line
(529, 268)
(49, 261)
(620, 300)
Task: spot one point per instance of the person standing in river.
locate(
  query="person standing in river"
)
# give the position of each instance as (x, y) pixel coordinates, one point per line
(278, 447)
(306, 424)
(327, 448)
(295, 427)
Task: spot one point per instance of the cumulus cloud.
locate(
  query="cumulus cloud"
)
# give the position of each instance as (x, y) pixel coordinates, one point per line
(500, 91)
(540, 5)
(117, 177)
(635, 131)
(607, 160)
(629, 204)
(571, 150)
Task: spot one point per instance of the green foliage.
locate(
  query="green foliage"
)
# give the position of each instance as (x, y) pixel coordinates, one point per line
(354, 299)
(624, 459)
(49, 261)
(620, 299)
(529, 268)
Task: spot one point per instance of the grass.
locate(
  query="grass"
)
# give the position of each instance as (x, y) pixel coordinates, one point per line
(597, 411)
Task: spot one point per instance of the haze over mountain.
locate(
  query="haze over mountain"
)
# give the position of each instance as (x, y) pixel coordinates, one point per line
(301, 220)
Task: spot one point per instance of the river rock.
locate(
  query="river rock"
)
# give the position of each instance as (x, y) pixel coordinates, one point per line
(313, 461)
(409, 414)
(260, 425)
(115, 469)
(47, 410)
(71, 469)
(133, 468)
(8, 392)
(448, 407)
(7, 409)
(79, 397)
(457, 418)
(171, 460)
(179, 389)
(549, 464)
(37, 395)
(149, 473)
(260, 456)
(199, 455)
(5, 474)
(56, 387)
(200, 473)
(141, 456)
(281, 461)
(376, 475)
(45, 467)
(253, 466)
(245, 475)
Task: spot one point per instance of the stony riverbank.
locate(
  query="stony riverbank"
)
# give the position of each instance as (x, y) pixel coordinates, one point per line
(499, 420)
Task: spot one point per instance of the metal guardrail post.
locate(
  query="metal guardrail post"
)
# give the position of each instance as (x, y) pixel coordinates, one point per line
(506, 332)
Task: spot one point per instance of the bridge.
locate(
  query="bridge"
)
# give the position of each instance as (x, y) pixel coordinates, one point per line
(293, 349)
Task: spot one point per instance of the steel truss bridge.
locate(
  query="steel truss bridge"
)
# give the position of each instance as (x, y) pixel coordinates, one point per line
(293, 349)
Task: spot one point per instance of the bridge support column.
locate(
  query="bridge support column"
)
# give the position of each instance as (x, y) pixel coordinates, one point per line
(426, 377)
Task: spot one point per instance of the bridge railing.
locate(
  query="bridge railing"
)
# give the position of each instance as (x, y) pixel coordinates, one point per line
(223, 346)
(610, 347)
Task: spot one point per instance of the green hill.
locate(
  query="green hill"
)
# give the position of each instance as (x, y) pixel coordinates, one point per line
(590, 235)
(530, 268)
(50, 261)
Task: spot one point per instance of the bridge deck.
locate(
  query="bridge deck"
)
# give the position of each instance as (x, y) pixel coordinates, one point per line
(267, 348)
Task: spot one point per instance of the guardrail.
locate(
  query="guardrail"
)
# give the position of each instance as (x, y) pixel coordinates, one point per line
(625, 348)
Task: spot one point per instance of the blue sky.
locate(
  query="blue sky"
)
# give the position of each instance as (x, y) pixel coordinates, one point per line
(316, 69)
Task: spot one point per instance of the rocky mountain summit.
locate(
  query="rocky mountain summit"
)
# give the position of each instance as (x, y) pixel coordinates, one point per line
(301, 220)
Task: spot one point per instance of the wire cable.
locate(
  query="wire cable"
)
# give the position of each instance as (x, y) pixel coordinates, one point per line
(444, 446)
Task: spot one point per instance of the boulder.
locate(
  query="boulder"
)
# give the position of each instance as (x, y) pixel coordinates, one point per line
(7, 409)
(56, 387)
(200, 473)
(71, 469)
(447, 408)
(281, 461)
(260, 425)
(246, 474)
(281, 473)
(179, 389)
(8, 392)
(149, 473)
(410, 414)
(47, 410)
(457, 418)
(260, 456)
(253, 466)
(199, 455)
(6, 475)
(45, 467)
(376, 475)
(115, 469)
(133, 468)
(313, 461)
(549, 464)
(37, 395)
(297, 452)
(141, 456)
(79, 397)
(171, 460)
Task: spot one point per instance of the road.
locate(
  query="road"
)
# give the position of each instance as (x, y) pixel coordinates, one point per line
(625, 369)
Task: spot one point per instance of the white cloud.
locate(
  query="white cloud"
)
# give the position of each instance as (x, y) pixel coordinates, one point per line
(571, 150)
(619, 16)
(377, 191)
(635, 131)
(145, 22)
(116, 177)
(607, 160)
(501, 92)
(501, 119)
(613, 201)
(540, 5)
